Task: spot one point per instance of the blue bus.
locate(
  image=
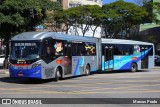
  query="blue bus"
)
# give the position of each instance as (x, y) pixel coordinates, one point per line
(46, 55)
(118, 54)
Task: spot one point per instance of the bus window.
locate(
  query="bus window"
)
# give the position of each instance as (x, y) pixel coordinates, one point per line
(58, 47)
(118, 49)
(52, 49)
(67, 50)
(90, 49)
(123, 49)
(25, 50)
(143, 48)
(78, 49)
(128, 49)
(137, 49)
(151, 51)
(83, 49)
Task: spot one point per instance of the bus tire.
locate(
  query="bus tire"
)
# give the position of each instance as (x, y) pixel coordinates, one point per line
(133, 67)
(87, 70)
(57, 75)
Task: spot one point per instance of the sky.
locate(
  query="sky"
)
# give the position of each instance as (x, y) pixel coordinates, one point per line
(110, 1)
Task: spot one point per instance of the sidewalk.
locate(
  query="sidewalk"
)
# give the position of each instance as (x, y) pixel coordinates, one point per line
(4, 71)
(156, 67)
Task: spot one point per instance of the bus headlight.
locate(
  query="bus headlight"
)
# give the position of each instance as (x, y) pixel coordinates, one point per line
(36, 64)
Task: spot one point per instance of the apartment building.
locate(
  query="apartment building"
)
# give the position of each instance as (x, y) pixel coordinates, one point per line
(73, 3)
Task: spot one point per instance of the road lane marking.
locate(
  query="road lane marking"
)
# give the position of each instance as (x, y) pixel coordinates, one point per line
(91, 92)
(82, 85)
(85, 91)
(100, 89)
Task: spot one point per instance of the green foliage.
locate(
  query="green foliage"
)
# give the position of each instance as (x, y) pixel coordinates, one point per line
(86, 15)
(156, 8)
(54, 17)
(117, 18)
(22, 15)
(122, 16)
(148, 6)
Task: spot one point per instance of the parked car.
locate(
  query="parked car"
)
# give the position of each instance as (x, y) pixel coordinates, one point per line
(157, 60)
(2, 58)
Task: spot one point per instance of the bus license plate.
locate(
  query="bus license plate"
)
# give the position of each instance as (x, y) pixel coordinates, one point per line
(20, 75)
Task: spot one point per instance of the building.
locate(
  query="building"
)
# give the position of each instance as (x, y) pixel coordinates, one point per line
(73, 3)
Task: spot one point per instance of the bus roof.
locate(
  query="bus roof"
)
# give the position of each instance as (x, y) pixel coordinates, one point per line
(42, 35)
(121, 41)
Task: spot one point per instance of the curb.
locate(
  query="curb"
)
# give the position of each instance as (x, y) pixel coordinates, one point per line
(4, 71)
(156, 68)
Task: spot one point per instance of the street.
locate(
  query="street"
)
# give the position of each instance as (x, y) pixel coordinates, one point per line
(142, 84)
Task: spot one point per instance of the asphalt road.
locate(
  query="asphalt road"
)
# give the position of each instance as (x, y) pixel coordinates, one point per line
(143, 84)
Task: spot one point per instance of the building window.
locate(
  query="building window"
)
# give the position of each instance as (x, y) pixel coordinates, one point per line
(73, 4)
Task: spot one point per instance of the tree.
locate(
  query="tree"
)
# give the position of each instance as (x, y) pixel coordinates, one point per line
(153, 9)
(156, 7)
(121, 17)
(21, 15)
(142, 2)
(54, 17)
(85, 17)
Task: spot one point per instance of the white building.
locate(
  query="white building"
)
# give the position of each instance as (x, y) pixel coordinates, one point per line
(74, 3)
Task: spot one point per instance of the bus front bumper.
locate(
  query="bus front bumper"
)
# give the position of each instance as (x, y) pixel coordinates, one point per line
(28, 73)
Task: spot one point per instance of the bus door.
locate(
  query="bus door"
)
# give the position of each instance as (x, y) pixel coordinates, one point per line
(108, 57)
(144, 57)
(67, 60)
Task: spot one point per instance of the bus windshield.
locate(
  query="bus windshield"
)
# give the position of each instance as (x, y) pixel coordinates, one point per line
(25, 50)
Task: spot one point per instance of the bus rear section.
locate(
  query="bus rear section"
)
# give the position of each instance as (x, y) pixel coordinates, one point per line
(127, 55)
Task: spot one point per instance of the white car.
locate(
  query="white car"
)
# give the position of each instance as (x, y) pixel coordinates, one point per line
(2, 58)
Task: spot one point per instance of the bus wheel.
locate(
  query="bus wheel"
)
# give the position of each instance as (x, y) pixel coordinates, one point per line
(133, 67)
(57, 75)
(87, 70)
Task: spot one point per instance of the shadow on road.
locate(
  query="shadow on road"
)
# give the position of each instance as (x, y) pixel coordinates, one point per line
(118, 71)
(24, 80)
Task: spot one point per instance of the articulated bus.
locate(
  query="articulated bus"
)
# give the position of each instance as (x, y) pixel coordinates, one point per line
(46, 55)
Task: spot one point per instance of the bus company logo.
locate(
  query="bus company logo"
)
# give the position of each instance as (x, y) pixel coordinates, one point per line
(6, 101)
